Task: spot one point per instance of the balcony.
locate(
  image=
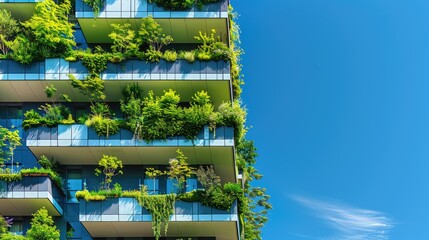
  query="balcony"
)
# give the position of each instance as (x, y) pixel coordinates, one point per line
(124, 217)
(181, 25)
(26, 83)
(20, 9)
(79, 145)
(25, 197)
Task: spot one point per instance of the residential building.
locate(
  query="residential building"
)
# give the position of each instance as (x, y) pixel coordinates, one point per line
(78, 147)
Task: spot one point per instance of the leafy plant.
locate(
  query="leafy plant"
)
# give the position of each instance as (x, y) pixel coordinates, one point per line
(124, 40)
(207, 177)
(43, 226)
(161, 116)
(161, 208)
(50, 30)
(153, 174)
(8, 29)
(179, 169)
(151, 34)
(9, 177)
(10, 140)
(110, 166)
(96, 5)
(199, 114)
(212, 47)
(170, 56)
(189, 56)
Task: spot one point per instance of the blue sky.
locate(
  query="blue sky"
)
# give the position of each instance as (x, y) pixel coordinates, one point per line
(338, 97)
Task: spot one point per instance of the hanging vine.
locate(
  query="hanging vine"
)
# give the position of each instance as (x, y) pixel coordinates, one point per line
(161, 208)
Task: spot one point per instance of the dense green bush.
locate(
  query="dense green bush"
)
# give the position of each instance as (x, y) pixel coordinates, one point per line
(43, 226)
(181, 4)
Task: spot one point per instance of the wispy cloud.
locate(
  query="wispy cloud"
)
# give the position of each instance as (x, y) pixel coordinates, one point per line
(349, 223)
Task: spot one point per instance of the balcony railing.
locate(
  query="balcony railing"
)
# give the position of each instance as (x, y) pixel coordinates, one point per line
(129, 210)
(59, 69)
(142, 8)
(27, 195)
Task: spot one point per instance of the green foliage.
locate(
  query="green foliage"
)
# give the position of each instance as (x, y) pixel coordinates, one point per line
(4, 132)
(124, 40)
(152, 36)
(207, 177)
(8, 29)
(10, 177)
(181, 4)
(179, 169)
(103, 126)
(254, 206)
(161, 116)
(188, 56)
(9, 140)
(32, 119)
(192, 196)
(199, 114)
(92, 87)
(161, 208)
(236, 53)
(212, 47)
(221, 198)
(23, 49)
(89, 196)
(96, 5)
(170, 56)
(12, 236)
(132, 91)
(232, 114)
(110, 166)
(3, 225)
(43, 226)
(49, 30)
(174, 4)
(153, 174)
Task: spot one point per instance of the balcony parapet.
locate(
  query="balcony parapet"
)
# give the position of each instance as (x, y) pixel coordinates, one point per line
(129, 210)
(79, 135)
(26, 196)
(142, 8)
(59, 69)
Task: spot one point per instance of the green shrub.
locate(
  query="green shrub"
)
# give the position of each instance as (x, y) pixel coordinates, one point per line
(189, 56)
(10, 177)
(31, 119)
(170, 56)
(103, 126)
(152, 55)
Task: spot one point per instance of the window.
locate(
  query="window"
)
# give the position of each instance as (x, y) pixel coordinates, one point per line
(74, 184)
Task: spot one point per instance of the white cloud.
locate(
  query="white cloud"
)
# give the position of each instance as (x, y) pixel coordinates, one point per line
(349, 223)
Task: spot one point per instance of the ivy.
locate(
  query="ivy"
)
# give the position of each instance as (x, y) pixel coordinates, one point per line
(96, 5)
(161, 208)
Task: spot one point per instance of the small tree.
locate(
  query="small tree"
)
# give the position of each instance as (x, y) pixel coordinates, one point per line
(43, 226)
(207, 177)
(151, 34)
(110, 166)
(50, 29)
(124, 40)
(153, 173)
(8, 29)
(179, 169)
(9, 140)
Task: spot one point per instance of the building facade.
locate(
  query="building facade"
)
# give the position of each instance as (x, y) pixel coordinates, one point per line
(77, 146)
